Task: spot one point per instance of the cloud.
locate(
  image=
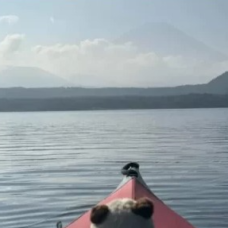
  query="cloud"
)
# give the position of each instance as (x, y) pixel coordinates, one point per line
(9, 19)
(100, 62)
(112, 63)
(52, 20)
(10, 45)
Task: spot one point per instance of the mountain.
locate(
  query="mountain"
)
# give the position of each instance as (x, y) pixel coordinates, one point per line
(217, 86)
(166, 40)
(29, 77)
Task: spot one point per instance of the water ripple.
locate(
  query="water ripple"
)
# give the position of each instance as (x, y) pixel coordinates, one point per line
(57, 165)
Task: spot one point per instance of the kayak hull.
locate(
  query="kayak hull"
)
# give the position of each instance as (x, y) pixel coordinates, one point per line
(134, 187)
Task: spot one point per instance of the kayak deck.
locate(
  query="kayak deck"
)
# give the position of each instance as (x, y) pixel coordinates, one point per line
(133, 186)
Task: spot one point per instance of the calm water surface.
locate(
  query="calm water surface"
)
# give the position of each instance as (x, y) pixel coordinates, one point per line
(56, 165)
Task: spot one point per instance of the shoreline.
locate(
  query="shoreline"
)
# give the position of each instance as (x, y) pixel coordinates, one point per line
(191, 101)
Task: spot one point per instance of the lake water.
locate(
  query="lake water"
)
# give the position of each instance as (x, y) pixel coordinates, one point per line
(56, 165)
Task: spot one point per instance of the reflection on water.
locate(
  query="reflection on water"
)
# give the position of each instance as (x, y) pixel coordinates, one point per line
(56, 165)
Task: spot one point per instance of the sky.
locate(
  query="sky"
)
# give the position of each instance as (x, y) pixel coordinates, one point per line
(76, 38)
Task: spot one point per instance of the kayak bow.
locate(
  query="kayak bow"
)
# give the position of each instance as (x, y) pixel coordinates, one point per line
(133, 186)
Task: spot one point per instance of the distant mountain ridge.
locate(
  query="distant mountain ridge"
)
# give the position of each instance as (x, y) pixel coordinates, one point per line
(15, 76)
(218, 85)
(165, 40)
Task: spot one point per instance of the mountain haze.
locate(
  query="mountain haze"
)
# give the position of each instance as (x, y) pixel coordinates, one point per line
(29, 77)
(218, 85)
(164, 39)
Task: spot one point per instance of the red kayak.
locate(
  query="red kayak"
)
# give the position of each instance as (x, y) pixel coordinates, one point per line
(133, 186)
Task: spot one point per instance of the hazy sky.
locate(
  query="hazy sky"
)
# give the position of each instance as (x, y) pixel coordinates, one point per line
(76, 37)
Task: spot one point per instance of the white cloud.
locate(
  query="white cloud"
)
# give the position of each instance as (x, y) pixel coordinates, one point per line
(114, 64)
(9, 46)
(102, 62)
(9, 19)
